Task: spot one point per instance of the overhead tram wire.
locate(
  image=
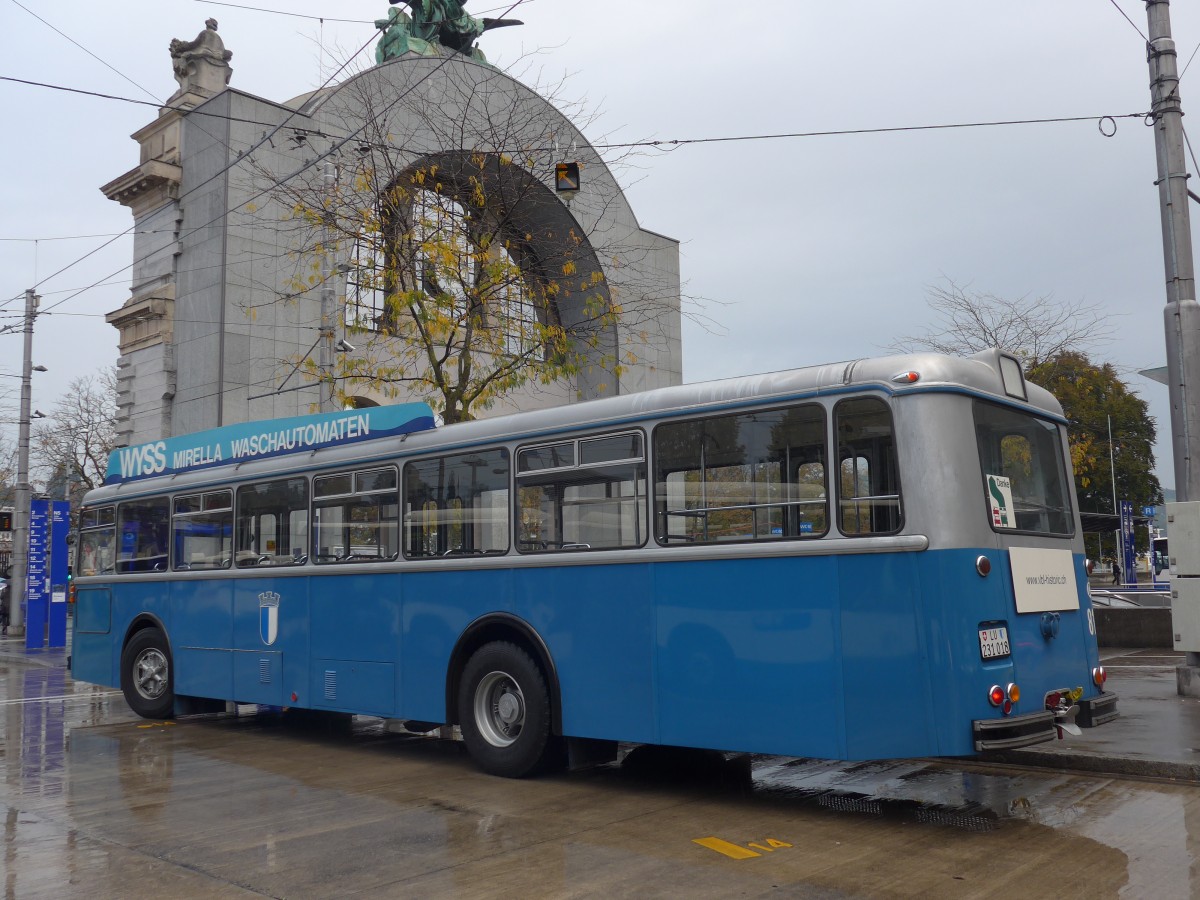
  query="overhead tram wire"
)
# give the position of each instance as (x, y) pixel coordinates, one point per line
(264, 139)
(85, 50)
(296, 15)
(1129, 20)
(279, 181)
(664, 143)
(187, 113)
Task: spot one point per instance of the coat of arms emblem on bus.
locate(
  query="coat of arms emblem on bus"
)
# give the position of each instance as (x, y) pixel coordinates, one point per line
(1000, 500)
(268, 616)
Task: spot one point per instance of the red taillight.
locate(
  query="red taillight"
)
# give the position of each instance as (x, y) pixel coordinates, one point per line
(1099, 676)
(996, 695)
(1007, 707)
(983, 566)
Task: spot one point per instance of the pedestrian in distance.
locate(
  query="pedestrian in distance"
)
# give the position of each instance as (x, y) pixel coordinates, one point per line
(1116, 570)
(4, 591)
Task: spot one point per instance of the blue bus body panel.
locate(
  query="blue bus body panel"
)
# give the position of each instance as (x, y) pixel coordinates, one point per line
(747, 655)
(598, 623)
(92, 644)
(200, 628)
(885, 675)
(958, 602)
(854, 656)
(438, 608)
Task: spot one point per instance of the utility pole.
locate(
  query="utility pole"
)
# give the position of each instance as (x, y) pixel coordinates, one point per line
(20, 545)
(1182, 320)
(1182, 312)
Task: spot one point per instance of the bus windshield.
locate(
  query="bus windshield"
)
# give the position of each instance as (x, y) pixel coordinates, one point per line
(1025, 482)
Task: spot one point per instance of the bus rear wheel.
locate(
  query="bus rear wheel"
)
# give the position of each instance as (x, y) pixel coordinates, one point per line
(146, 676)
(504, 711)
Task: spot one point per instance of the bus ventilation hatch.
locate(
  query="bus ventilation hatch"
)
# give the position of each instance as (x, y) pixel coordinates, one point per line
(330, 684)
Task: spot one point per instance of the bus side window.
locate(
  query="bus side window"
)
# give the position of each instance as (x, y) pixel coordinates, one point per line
(202, 531)
(354, 516)
(142, 535)
(869, 483)
(456, 505)
(271, 528)
(752, 476)
(588, 494)
(97, 539)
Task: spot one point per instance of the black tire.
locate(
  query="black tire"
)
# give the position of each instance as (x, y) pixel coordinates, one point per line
(147, 675)
(504, 711)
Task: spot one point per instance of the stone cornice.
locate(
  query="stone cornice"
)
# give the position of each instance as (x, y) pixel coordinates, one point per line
(151, 185)
(146, 319)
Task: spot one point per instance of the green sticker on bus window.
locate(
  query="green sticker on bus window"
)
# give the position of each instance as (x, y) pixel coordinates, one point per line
(1000, 502)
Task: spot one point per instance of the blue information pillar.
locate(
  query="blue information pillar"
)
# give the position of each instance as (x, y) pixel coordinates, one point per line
(37, 576)
(1127, 551)
(60, 526)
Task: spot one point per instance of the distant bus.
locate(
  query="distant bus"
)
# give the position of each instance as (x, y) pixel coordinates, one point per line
(1160, 561)
(871, 559)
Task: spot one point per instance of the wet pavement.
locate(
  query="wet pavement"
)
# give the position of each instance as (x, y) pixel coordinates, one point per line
(100, 803)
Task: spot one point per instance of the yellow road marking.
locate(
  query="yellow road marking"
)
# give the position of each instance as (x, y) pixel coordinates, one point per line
(733, 851)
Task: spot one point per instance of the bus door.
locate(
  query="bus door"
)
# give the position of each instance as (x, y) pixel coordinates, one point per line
(201, 627)
(270, 609)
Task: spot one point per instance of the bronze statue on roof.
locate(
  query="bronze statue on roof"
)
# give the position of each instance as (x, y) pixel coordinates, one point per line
(444, 22)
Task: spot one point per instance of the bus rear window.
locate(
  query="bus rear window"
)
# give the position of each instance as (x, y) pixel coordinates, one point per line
(1025, 482)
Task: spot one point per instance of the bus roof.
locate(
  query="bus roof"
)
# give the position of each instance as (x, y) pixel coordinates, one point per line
(363, 430)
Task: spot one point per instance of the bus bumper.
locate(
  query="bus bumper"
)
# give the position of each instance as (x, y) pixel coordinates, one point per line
(1014, 731)
(1097, 710)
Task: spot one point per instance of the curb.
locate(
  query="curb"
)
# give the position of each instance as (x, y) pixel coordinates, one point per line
(1097, 764)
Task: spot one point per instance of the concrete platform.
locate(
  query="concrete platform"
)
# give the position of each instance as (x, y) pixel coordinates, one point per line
(1157, 734)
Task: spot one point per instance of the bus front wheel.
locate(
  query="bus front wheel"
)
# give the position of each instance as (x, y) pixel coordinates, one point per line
(504, 711)
(146, 678)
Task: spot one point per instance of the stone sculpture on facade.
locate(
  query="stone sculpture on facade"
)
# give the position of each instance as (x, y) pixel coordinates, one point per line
(433, 22)
(201, 66)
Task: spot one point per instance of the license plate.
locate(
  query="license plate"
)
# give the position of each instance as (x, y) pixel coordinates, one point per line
(993, 642)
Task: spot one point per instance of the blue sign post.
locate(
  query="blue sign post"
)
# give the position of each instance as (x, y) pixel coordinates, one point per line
(60, 526)
(37, 576)
(1128, 554)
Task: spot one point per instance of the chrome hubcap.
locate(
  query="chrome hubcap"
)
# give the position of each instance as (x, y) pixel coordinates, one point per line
(499, 709)
(150, 674)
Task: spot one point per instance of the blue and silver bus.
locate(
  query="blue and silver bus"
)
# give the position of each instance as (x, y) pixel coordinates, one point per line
(870, 559)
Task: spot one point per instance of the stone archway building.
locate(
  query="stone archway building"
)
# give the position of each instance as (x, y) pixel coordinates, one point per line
(225, 310)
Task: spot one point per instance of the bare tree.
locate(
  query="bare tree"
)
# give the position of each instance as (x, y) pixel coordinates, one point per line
(72, 444)
(1035, 329)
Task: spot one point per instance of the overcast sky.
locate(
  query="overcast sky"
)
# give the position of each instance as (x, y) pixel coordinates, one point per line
(815, 249)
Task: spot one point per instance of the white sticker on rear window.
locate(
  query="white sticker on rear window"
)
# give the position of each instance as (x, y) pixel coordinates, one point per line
(1000, 502)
